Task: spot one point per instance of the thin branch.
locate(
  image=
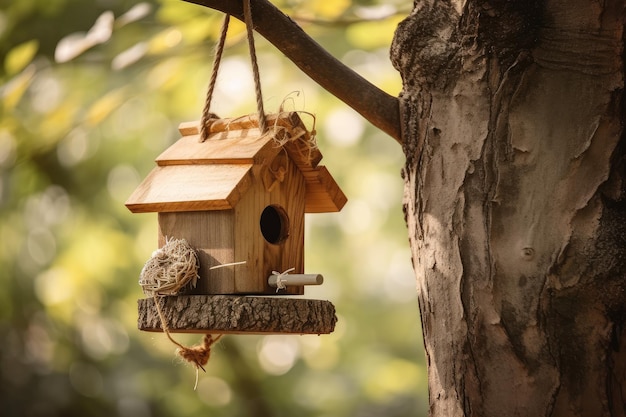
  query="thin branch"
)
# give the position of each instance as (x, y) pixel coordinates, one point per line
(378, 107)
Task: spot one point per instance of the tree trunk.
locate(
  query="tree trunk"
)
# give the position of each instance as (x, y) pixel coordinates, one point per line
(513, 115)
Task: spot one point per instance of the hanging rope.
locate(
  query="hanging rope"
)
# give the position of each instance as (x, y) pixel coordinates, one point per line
(197, 355)
(217, 59)
(247, 15)
(219, 50)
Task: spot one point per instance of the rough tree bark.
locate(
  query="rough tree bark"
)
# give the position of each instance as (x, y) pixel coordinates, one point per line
(513, 114)
(237, 314)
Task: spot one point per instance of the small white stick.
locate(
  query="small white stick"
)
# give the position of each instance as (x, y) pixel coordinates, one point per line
(229, 264)
(282, 280)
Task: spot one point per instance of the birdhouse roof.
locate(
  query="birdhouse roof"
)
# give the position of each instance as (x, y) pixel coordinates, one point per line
(212, 175)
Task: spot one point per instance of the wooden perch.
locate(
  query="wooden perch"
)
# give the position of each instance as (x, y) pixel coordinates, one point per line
(378, 107)
(236, 314)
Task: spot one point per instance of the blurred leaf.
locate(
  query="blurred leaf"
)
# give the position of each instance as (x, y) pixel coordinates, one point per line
(57, 123)
(328, 9)
(165, 40)
(129, 56)
(13, 91)
(104, 106)
(75, 44)
(373, 34)
(20, 56)
(137, 12)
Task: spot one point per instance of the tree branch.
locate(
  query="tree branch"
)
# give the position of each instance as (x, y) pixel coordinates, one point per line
(378, 107)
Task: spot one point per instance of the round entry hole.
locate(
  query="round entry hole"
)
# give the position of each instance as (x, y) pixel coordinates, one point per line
(274, 224)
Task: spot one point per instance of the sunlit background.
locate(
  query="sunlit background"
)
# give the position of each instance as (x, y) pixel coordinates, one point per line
(91, 92)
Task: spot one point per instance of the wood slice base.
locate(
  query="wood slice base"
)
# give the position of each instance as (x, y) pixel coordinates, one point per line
(218, 314)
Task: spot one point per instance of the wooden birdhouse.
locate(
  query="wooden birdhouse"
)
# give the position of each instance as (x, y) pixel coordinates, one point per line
(239, 199)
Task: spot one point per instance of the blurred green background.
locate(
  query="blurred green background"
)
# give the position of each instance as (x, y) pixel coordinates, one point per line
(91, 92)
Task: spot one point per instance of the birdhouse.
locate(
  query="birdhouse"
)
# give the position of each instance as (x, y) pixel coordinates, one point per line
(239, 199)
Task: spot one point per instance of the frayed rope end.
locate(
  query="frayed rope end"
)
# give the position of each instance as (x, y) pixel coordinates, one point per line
(199, 355)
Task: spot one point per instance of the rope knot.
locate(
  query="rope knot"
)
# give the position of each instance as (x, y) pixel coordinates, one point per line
(280, 281)
(199, 355)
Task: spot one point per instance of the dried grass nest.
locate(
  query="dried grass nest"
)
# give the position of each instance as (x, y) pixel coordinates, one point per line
(171, 269)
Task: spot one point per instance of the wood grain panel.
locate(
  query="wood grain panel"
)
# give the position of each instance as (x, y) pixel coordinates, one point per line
(190, 188)
(211, 233)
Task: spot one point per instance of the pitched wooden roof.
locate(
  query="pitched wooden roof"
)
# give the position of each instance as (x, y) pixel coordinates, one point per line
(213, 175)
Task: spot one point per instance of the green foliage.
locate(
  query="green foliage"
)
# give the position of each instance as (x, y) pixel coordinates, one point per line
(90, 93)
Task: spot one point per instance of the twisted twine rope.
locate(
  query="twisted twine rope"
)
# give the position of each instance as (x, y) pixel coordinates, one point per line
(219, 50)
(217, 59)
(197, 355)
(247, 15)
